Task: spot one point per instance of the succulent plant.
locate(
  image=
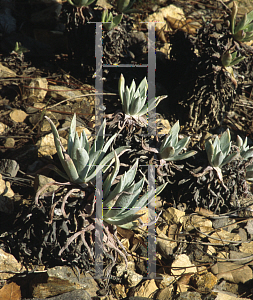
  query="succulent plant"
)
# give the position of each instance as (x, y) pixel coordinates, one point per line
(243, 31)
(123, 202)
(134, 103)
(109, 22)
(218, 154)
(80, 3)
(245, 151)
(170, 148)
(81, 162)
(218, 150)
(229, 59)
(124, 6)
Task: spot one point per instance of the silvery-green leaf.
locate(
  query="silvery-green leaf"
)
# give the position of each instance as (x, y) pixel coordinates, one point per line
(56, 139)
(111, 177)
(249, 168)
(75, 146)
(225, 141)
(84, 143)
(182, 156)
(132, 89)
(143, 86)
(82, 158)
(144, 200)
(249, 18)
(237, 60)
(72, 131)
(247, 154)
(229, 158)
(216, 143)
(233, 17)
(165, 143)
(241, 24)
(209, 151)
(123, 221)
(245, 143)
(174, 133)
(249, 28)
(125, 181)
(70, 169)
(121, 87)
(248, 37)
(239, 141)
(167, 152)
(181, 145)
(126, 101)
(122, 5)
(122, 202)
(218, 159)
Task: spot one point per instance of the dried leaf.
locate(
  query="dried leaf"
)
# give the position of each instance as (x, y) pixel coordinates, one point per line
(10, 291)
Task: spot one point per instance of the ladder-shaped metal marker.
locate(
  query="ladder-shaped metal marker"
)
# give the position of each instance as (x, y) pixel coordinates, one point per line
(151, 131)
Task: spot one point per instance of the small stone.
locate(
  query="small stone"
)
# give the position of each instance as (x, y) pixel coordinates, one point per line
(173, 216)
(8, 191)
(60, 280)
(119, 291)
(165, 281)
(6, 72)
(46, 145)
(132, 278)
(3, 128)
(223, 237)
(2, 185)
(241, 258)
(41, 180)
(184, 264)
(9, 143)
(37, 90)
(164, 294)
(145, 289)
(232, 272)
(164, 245)
(247, 247)
(9, 167)
(18, 115)
(8, 263)
(222, 295)
(189, 296)
(204, 282)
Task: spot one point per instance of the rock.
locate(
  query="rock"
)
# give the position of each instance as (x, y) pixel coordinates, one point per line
(37, 90)
(222, 295)
(6, 72)
(184, 264)
(204, 282)
(9, 143)
(132, 278)
(62, 279)
(41, 180)
(119, 291)
(247, 247)
(164, 294)
(241, 258)
(173, 216)
(164, 245)
(163, 127)
(3, 128)
(75, 295)
(164, 280)
(6, 204)
(163, 13)
(223, 237)
(145, 289)
(18, 115)
(9, 167)
(189, 296)
(232, 272)
(195, 221)
(8, 263)
(46, 145)
(10, 291)
(121, 268)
